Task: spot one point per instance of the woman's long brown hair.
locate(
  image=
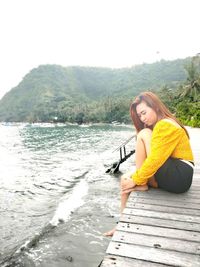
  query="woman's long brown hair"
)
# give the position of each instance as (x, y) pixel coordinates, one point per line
(156, 104)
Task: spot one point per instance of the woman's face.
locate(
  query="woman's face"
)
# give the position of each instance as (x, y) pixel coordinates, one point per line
(146, 114)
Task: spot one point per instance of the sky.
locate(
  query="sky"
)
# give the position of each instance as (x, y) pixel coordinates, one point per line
(102, 33)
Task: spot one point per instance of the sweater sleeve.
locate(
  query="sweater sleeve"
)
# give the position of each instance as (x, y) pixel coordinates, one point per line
(165, 138)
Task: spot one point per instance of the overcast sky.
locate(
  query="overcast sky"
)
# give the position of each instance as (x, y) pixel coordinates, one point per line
(107, 33)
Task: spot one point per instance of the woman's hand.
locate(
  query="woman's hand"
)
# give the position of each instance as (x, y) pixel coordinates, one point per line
(127, 185)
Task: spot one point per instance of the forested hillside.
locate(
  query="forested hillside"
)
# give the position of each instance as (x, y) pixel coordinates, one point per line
(89, 94)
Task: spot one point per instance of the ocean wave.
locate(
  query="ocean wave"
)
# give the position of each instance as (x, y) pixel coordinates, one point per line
(67, 206)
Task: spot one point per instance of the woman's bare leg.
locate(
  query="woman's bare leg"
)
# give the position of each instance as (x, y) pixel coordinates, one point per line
(142, 146)
(142, 150)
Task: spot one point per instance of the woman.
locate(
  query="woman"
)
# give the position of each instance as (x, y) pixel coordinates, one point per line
(163, 156)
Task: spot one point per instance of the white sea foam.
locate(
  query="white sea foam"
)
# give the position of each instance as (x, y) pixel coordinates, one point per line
(68, 205)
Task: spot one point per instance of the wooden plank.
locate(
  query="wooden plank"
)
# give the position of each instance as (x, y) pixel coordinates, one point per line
(196, 175)
(163, 202)
(163, 193)
(158, 242)
(195, 188)
(196, 180)
(117, 261)
(189, 226)
(173, 258)
(159, 231)
(157, 197)
(167, 209)
(160, 192)
(163, 215)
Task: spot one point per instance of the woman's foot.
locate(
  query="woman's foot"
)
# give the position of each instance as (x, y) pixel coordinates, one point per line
(110, 233)
(136, 188)
(152, 182)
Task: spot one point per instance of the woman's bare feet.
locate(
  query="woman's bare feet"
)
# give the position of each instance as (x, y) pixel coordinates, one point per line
(152, 182)
(110, 233)
(136, 188)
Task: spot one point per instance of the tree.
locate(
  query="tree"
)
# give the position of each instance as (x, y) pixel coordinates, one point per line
(191, 89)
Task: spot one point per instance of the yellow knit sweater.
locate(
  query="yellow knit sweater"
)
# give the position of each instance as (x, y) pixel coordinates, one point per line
(168, 140)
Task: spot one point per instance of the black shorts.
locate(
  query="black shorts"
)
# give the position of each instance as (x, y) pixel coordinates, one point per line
(174, 176)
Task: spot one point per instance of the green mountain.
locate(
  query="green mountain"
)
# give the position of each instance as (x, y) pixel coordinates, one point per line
(53, 92)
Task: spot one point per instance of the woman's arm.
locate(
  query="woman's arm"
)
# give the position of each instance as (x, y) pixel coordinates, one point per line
(165, 138)
(127, 184)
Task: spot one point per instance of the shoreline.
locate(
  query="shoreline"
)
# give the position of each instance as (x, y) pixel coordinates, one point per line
(77, 124)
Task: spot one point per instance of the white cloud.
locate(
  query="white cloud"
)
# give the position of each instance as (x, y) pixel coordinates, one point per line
(111, 33)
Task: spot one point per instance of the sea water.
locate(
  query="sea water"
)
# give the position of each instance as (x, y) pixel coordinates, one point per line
(55, 198)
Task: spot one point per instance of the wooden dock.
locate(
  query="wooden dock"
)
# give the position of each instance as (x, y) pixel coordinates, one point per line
(158, 228)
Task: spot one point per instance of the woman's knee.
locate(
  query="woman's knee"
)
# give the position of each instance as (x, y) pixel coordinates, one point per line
(144, 139)
(125, 177)
(144, 134)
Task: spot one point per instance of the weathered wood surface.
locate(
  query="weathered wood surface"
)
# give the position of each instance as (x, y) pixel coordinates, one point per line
(153, 254)
(110, 261)
(158, 228)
